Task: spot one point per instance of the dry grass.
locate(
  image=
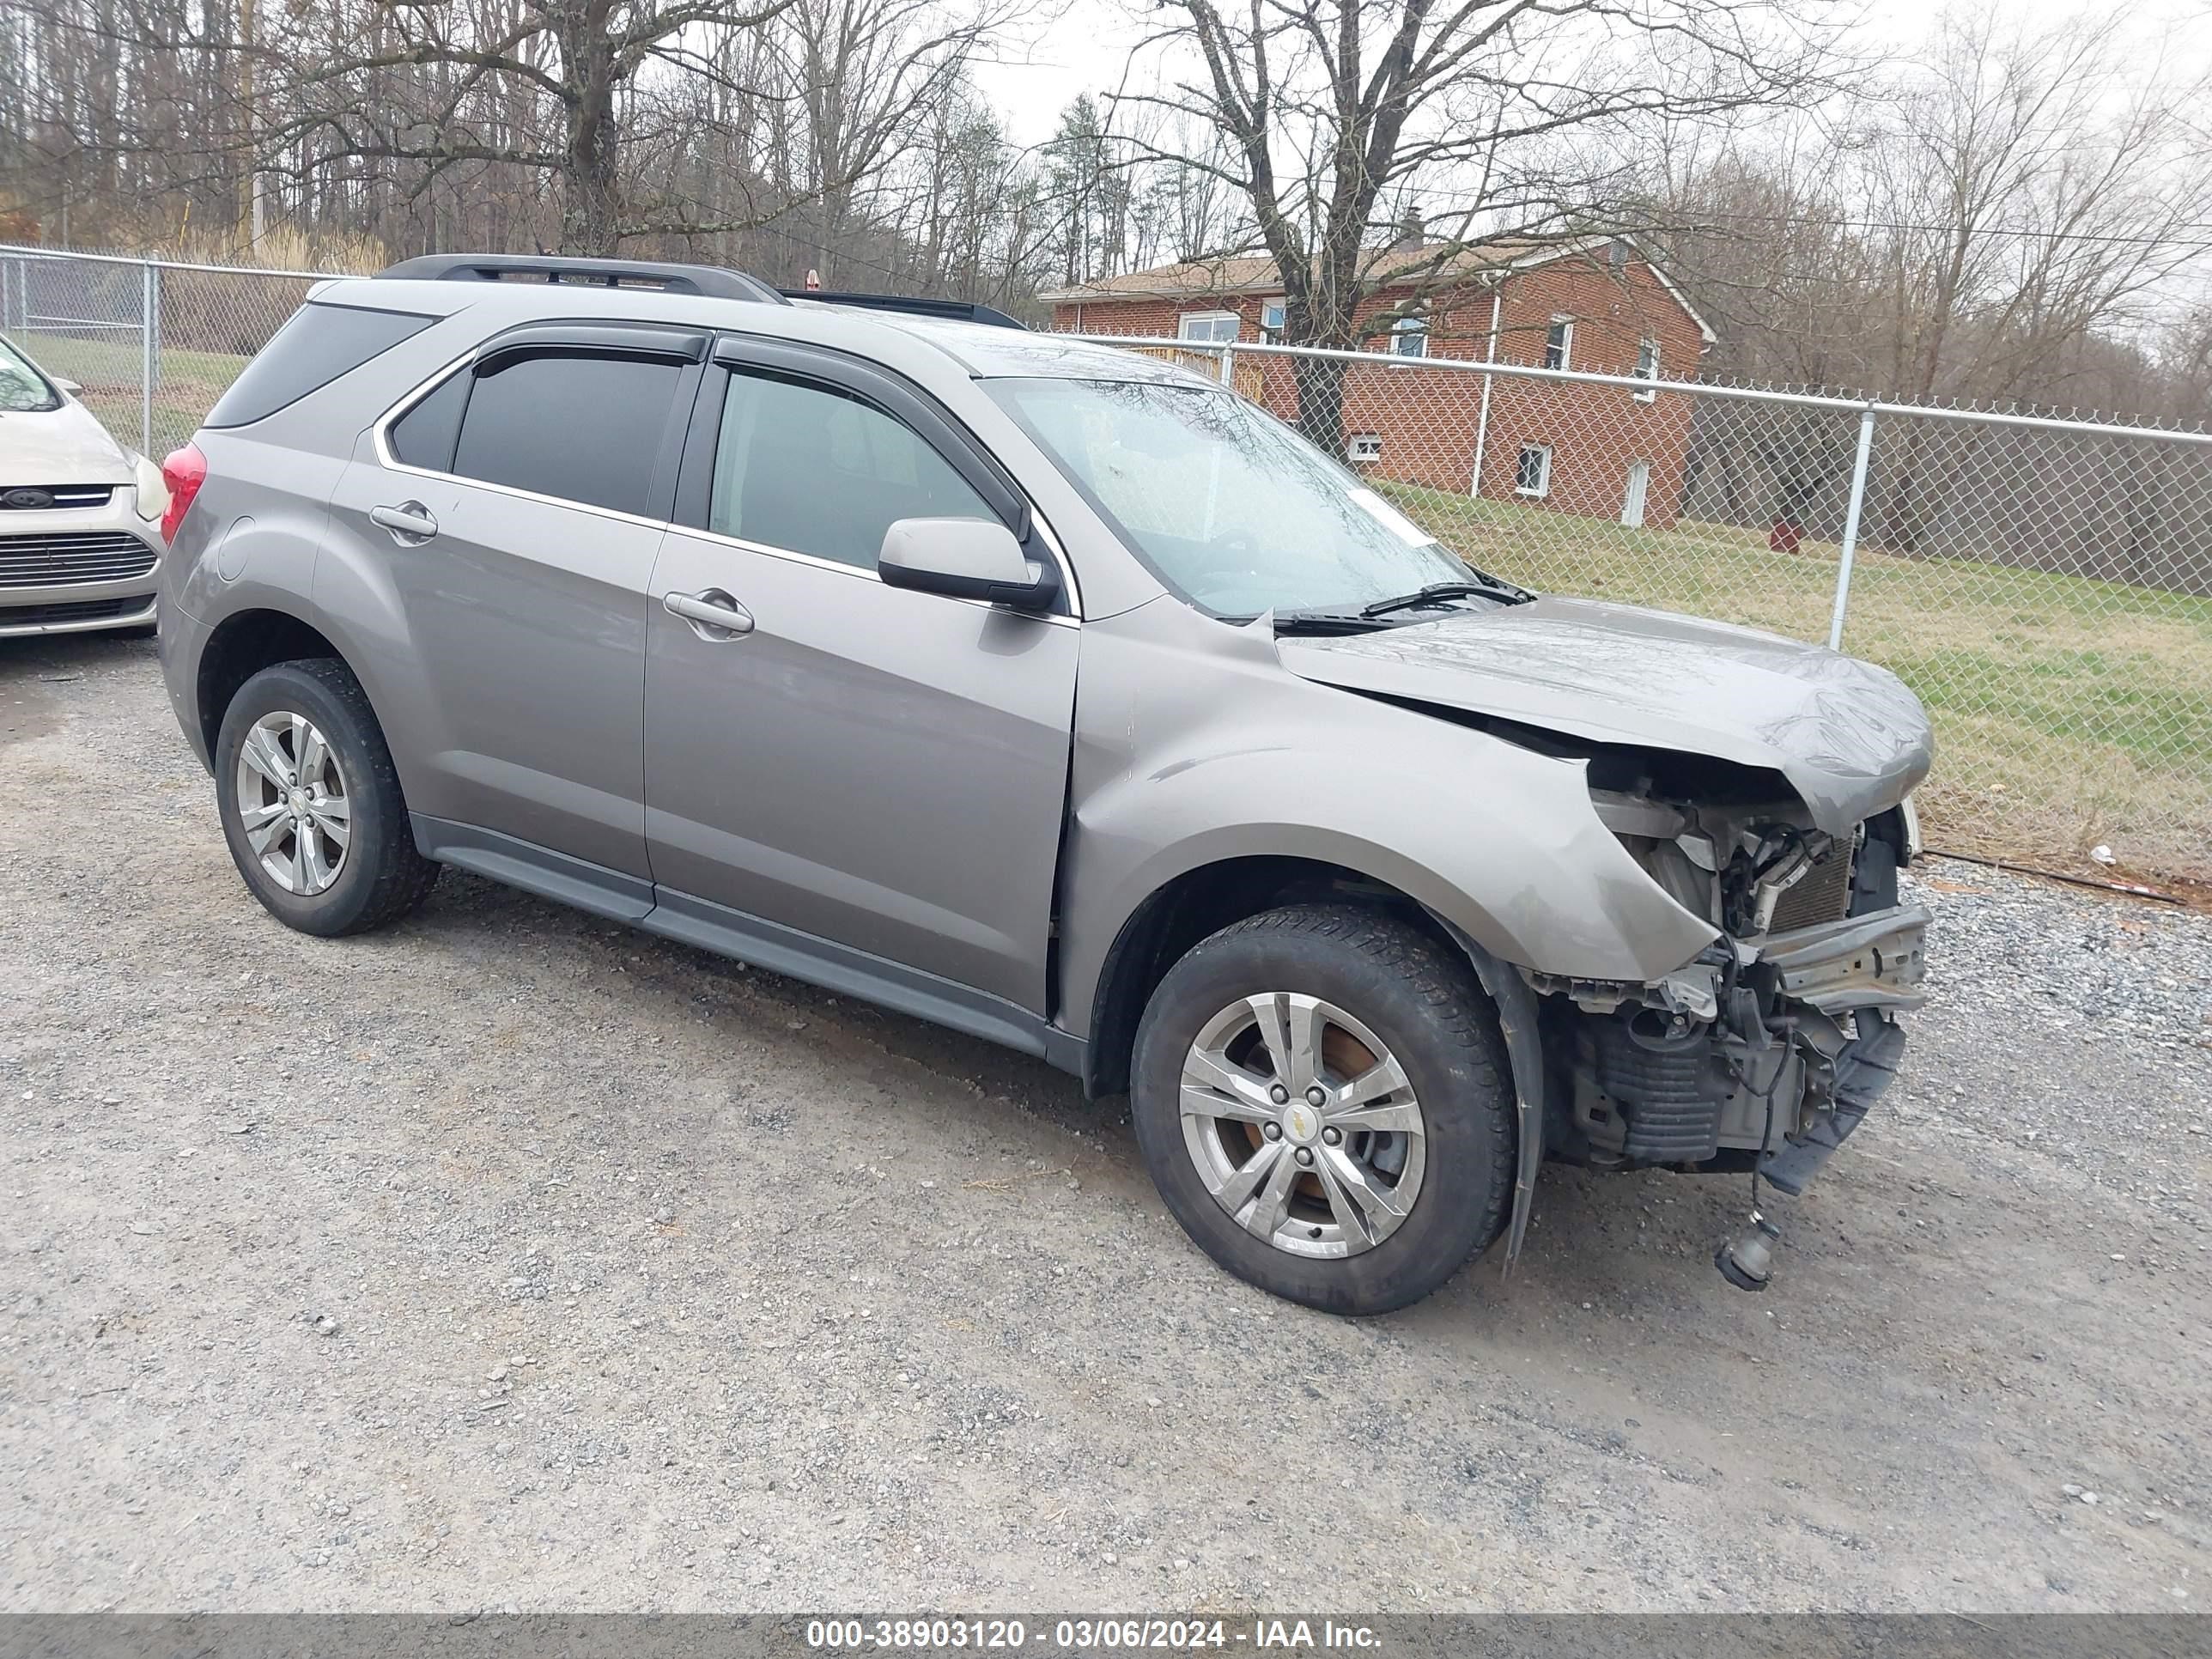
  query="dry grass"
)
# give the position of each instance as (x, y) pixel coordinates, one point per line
(2069, 712)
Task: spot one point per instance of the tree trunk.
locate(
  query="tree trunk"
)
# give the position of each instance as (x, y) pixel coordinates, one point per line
(591, 209)
(1321, 404)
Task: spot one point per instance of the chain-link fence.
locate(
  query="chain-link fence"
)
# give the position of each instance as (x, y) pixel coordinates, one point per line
(2045, 585)
(152, 342)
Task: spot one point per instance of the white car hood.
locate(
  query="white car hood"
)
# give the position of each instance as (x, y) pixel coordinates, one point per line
(64, 446)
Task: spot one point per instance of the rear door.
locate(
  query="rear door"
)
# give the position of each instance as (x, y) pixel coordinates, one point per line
(883, 772)
(515, 511)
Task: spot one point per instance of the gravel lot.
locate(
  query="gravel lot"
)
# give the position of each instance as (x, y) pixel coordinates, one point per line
(513, 1258)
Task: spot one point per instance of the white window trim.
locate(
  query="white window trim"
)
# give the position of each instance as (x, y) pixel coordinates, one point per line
(1651, 341)
(1354, 440)
(1271, 333)
(1566, 343)
(1409, 328)
(1184, 321)
(1543, 478)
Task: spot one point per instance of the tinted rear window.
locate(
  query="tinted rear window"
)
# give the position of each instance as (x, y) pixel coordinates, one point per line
(580, 428)
(320, 343)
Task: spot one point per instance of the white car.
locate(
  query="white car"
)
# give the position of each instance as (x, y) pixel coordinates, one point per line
(80, 515)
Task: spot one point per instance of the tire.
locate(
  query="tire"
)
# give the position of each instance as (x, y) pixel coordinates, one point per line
(379, 875)
(1423, 1004)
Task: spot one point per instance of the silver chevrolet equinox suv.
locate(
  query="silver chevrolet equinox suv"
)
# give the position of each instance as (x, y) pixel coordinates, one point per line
(1061, 696)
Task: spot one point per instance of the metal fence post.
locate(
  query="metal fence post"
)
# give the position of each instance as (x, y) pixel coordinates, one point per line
(1851, 528)
(1229, 367)
(150, 300)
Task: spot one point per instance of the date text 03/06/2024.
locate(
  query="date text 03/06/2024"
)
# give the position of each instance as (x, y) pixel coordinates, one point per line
(1104, 1635)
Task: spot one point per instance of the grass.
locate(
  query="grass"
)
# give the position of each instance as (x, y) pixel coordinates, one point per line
(2069, 712)
(109, 371)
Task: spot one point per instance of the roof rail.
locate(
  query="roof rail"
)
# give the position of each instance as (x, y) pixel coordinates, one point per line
(962, 311)
(711, 281)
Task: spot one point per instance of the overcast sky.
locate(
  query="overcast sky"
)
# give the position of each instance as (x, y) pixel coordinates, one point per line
(1084, 49)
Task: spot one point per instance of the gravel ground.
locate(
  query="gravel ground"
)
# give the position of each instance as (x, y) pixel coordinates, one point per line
(513, 1258)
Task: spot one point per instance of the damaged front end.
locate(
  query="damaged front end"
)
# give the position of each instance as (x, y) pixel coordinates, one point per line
(1762, 786)
(1767, 1051)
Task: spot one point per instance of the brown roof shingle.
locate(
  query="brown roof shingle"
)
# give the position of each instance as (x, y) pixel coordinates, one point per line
(1255, 273)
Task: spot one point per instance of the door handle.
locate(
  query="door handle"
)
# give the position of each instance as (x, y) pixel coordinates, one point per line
(713, 614)
(410, 523)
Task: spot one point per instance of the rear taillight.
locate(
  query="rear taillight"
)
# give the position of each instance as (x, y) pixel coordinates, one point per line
(184, 472)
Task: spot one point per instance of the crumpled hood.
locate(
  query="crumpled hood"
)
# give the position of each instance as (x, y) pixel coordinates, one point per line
(64, 446)
(1851, 740)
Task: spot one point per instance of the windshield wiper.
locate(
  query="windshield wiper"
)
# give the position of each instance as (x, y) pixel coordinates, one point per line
(1327, 622)
(1489, 588)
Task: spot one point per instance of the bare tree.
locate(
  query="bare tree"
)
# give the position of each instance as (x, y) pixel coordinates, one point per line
(565, 74)
(1337, 114)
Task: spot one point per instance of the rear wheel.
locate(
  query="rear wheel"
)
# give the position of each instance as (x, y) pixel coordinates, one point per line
(1321, 1094)
(311, 802)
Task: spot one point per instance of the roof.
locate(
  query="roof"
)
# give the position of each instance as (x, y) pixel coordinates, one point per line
(1230, 275)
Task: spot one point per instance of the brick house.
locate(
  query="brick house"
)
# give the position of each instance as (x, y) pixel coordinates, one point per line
(1598, 305)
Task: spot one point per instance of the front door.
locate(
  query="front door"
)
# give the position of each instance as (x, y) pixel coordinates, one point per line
(880, 771)
(1632, 504)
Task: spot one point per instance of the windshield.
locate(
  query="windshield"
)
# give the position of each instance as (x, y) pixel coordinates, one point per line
(1230, 506)
(23, 390)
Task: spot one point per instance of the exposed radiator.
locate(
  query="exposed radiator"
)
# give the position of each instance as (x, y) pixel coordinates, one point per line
(1822, 894)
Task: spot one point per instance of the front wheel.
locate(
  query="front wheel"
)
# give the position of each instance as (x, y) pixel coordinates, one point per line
(1321, 1094)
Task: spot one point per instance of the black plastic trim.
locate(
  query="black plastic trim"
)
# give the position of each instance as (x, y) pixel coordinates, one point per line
(532, 868)
(1517, 1021)
(839, 968)
(750, 938)
(616, 339)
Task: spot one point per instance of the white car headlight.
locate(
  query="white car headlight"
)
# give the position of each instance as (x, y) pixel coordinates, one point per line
(153, 492)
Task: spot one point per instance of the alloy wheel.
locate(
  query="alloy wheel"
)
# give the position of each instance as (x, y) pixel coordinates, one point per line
(293, 802)
(1302, 1124)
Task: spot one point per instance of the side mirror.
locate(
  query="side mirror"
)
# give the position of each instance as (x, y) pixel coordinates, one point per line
(967, 559)
(67, 388)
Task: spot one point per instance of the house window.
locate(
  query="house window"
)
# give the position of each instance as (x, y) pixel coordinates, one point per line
(1211, 327)
(1647, 366)
(1532, 475)
(1559, 344)
(1271, 322)
(1364, 446)
(1409, 337)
